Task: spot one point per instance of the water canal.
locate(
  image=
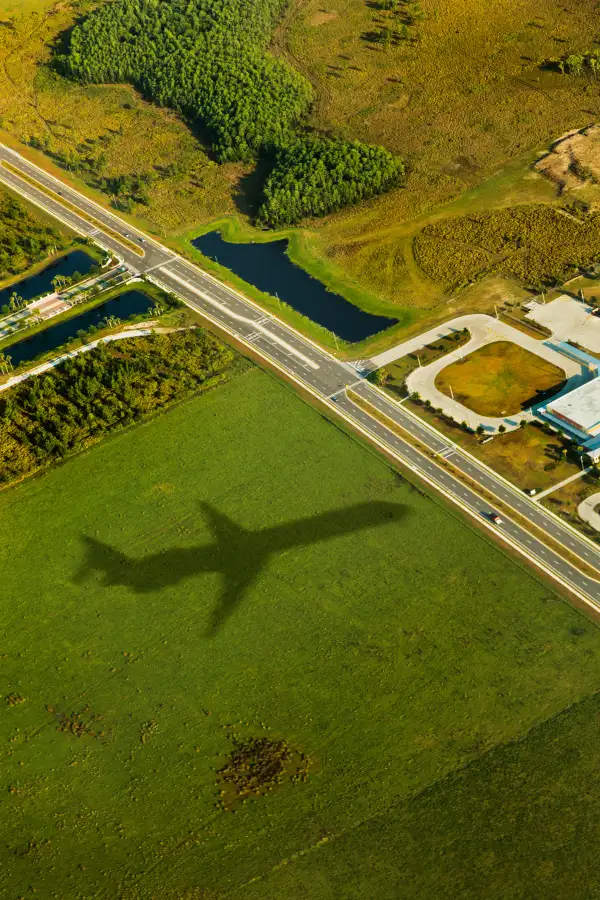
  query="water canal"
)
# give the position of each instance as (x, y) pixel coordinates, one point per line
(269, 268)
(41, 283)
(131, 303)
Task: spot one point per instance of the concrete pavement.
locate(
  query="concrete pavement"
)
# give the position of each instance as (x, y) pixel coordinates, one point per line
(323, 375)
(588, 511)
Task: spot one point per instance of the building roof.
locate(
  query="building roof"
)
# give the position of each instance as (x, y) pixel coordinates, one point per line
(581, 406)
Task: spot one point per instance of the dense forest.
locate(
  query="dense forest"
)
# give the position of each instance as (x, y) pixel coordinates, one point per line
(23, 238)
(314, 177)
(208, 59)
(204, 58)
(57, 413)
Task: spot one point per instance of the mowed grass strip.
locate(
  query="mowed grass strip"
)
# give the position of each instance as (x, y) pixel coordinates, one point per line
(390, 655)
(499, 379)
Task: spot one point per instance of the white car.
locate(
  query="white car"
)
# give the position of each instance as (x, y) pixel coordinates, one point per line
(495, 518)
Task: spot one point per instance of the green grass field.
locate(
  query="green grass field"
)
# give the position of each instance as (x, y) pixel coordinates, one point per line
(391, 655)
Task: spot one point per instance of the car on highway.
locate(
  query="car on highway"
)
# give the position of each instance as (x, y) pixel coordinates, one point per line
(495, 518)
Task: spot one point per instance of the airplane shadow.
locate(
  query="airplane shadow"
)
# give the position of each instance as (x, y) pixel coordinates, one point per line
(237, 553)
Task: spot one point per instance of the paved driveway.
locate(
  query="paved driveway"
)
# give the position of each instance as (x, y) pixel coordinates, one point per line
(588, 511)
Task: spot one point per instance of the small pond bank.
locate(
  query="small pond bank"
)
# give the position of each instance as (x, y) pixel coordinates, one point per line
(267, 267)
(124, 306)
(41, 283)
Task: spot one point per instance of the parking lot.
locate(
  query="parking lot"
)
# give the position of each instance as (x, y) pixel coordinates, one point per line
(569, 320)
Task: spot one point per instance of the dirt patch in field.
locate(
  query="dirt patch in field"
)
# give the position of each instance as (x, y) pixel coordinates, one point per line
(574, 159)
(257, 765)
(322, 17)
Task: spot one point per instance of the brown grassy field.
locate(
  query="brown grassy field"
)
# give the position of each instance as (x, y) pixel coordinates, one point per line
(463, 101)
(499, 379)
(528, 457)
(460, 103)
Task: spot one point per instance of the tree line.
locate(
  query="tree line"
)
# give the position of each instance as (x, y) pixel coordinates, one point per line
(62, 411)
(208, 60)
(205, 58)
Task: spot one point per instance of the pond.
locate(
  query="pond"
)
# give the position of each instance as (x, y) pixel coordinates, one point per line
(269, 268)
(37, 285)
(131, 303)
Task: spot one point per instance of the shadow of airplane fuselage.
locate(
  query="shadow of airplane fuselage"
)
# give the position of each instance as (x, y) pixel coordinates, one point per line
(237, 553)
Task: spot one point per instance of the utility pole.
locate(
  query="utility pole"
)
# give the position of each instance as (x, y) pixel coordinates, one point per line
(336, 341)
(451, 391)
(496, 311)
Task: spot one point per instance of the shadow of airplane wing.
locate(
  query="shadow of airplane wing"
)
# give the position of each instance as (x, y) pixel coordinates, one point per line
(336, 523)
(233, 593)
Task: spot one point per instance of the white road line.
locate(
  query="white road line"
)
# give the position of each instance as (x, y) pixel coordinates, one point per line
(228, 312)
(159, 265)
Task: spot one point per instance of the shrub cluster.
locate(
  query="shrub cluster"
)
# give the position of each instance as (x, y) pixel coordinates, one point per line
(314, 177)
(23, 239)
(538, 245)
(51, 415)
(576, 63)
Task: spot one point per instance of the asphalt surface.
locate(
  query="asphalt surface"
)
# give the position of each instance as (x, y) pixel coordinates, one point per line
(326, 377)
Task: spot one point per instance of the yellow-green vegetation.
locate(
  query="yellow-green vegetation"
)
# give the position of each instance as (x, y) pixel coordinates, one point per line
(461, 99)
(510, 825)
(75, 124)
(500, 379)
(386, 642)
(25, 239)
(72, 406)
(537, 245)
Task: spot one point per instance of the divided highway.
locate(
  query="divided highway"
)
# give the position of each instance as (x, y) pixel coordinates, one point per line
(322, 374)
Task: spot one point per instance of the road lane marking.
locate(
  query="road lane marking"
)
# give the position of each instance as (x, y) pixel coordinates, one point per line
(232, 315)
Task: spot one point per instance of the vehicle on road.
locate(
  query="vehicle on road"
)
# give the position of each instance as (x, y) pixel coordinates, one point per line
(495, 518)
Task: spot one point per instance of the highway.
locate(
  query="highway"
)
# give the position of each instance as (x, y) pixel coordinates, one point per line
(326, 377)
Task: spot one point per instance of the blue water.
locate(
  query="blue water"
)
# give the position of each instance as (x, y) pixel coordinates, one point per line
(132, 303)
(269, 268)
(37, 285)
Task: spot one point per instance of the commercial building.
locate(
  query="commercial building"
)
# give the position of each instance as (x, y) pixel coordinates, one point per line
(579, 410)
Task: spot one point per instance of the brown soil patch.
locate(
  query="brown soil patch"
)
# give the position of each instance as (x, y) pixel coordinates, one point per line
(573, 159)
(14, 699)
(322, 17)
